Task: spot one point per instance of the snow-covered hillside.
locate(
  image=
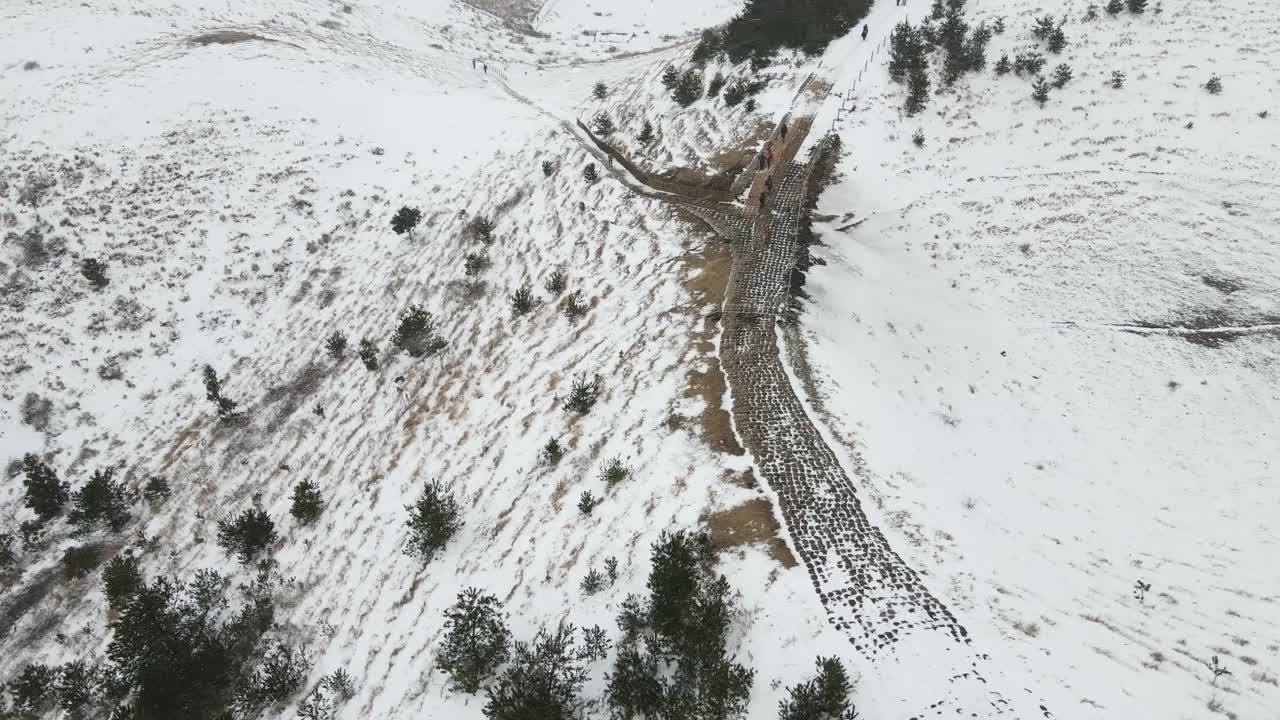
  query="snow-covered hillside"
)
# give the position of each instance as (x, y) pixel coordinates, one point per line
(1049, 336)
(1043, 344)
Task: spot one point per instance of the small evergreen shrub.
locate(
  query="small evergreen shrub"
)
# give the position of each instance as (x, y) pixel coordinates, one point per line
(307, 503)
(825, 697)
(433, 520)
(1044, 27)
(1115, 7)
(1003, 66)
(646, 133)
(475, 263)
(548, 168)
(556, 282)
(717, 82)
(121, 580)
(336, 345)
(1137, 7)
(522, 301)
(689, 89)
(1117, 79)
(998, 25)
(611, 569)
(247, 535)
(595, 644)
(1214, 85)
(95, 271)
(75, 688)
(551, 452)
(1030, 62)
(213, 391)
(600, 90)
(1057, 41)
(1040, 91)
(339, 684)
(1091, 13)
(156, 491)
(481, 229)
(8, 556)
(735, 93)
(670, 77)
(1061, 75)
(280, 675)
(749, 105)
(918, 138)
(587, 502)
(614, 472)
(416, 334)
(33, 691)
(476, 640)
(589, 174)
(710, 44)
(602, 124)
(592, 583)
(405, 220)
(582, 395)
(368, 354)
(102, 500)
(574, 306)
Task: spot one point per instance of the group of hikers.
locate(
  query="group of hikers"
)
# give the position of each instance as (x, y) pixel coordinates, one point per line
(765, 162)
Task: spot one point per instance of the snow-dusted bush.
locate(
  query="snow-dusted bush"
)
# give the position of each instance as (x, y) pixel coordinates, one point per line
(556, 282)
(336, 345)
(481, 229)
(589, 173)
(574, 306)
(95, 271)
(1003, 66)
(689, 88)
(592, 582)
(1061, 75)
(1117, 79)
(614, 472)
(599, 90)
(33, 691)
(213, 391)
(1040, 91)
(548, 167)
(602, 124)
(433, 520)
(522, 301)
(646, 133)
(1214, 85)
(587, 502)
(551, 452)
(475, 263)
(369, 354)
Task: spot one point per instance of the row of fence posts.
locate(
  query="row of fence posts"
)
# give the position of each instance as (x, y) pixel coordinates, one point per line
(846, 99)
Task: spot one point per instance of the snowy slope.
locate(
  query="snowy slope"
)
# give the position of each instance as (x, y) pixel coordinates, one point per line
(1048, 339)
(239, 188)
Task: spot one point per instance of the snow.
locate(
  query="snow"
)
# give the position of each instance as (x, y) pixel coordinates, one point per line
(994, 337)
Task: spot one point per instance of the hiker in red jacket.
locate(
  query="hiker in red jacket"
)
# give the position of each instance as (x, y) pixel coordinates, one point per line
(768, 159)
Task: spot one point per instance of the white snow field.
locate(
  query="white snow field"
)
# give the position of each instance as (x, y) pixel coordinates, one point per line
(1042, 344)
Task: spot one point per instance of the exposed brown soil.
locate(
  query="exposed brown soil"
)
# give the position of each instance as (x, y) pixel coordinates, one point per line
(707, 275)
(750, 523)
(226, 37)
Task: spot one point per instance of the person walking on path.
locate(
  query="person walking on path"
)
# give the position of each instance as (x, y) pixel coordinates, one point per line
(486, 65)
(473, 63)
(768, 184)
(782, 131)
(762, 161)
(762, 199)
(864, 32)
(768, 159)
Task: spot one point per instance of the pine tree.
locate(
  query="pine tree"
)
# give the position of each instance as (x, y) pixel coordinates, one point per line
(1091, 13)
(589, 174)
(1214, 85)
(405, 220)
(121, 579)
(548, 167)
(635, 686)
(1137, 6)
(602, 124)
(416, 334)
(1040, 90)
(735, 93)
(1115, 7)
(709, 45)
(689, 89)
(213, 391)
(476, 640)
(938, 10)
(670, 77)
(433, 520)
(481, 229)
(998, 26)
(1043, 27)
(1117, 79)
(917, 138)
(592, 582)
(32, 692)
(156, 491)
(101, 500)
(248, 534)
(1003, 66)
(522, 300)
(44, 492)
(826, 697)
(8, 556)
(307, 503)
(917, 90)
(75, 688)
(646, 133)
(95, 271)
(368, 354)
(614, 472)
(474, 264)
(575, 306)
(717, 82)
(582, 395)
(336, 345)
(556, 282)
(600, 90)
(586, 502)
(1061, 75)
(542, 681)
(904, 46)
(1057, 41)
(551, 452)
